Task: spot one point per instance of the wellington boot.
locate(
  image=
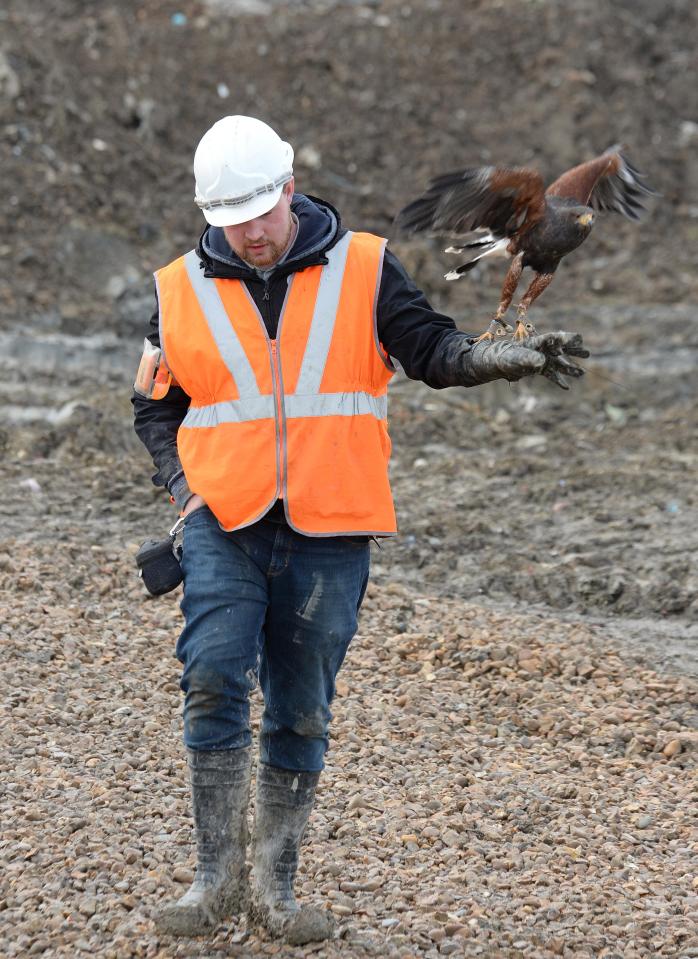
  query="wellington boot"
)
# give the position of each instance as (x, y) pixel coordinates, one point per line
(220, 786)
(284, 802)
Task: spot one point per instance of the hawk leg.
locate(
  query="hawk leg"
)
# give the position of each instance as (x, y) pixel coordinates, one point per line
(540, 282)
(498, 327)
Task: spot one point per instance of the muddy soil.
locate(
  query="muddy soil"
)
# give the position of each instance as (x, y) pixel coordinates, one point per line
(517, 496)
(554, 530)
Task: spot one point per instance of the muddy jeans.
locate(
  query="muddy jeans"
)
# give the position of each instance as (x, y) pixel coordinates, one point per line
(270, 605)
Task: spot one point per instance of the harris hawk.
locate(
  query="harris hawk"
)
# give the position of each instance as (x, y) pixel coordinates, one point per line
(502, 211)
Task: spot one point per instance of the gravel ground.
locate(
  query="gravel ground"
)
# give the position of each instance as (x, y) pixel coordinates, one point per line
(497, 785)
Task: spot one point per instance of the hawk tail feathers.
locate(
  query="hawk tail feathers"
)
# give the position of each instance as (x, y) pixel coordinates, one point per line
(461, 270)
(493, 248)
(479, 244)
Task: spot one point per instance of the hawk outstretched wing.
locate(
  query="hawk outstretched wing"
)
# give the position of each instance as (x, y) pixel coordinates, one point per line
(505, 201)
(608, 183)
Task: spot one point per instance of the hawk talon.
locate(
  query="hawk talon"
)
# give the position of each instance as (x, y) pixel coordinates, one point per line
(523, 329)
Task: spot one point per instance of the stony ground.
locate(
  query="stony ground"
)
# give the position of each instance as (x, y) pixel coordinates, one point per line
(512, 771)
(497, 785)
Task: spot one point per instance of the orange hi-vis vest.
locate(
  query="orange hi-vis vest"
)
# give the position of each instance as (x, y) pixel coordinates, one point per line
(302, 417)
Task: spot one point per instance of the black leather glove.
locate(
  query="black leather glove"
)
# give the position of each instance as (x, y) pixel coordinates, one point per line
(544, 353)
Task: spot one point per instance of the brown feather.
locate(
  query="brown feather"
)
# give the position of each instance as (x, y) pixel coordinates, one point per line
(579, 182)
(528, 195)
(609, 182)
(508, 202)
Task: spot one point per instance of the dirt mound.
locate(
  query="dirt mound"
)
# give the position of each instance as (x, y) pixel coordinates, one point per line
(102, 104)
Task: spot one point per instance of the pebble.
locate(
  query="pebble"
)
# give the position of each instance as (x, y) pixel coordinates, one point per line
(341, 910)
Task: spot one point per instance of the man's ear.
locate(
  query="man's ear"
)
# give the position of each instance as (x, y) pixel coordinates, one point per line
(290, 187)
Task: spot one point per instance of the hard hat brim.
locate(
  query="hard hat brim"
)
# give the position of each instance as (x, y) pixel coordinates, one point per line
(233, 215)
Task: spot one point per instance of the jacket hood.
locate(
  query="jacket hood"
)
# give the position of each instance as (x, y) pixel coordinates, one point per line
(319, 228)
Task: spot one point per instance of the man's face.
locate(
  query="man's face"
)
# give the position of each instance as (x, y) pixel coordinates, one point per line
(262, 241)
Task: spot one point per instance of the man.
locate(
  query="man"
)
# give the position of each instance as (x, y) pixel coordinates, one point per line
(281, 332)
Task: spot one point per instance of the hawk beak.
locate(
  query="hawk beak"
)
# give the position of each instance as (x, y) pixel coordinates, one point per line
(586, 219)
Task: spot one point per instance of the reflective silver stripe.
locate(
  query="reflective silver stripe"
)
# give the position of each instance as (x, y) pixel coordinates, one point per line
(324, 316)
(387, 360)
(161, 334)
(262, 408)
(231, 411)
(221, 328)
(337, 404)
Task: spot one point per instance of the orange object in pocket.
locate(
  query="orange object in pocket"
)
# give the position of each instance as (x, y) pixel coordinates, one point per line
(153, 378)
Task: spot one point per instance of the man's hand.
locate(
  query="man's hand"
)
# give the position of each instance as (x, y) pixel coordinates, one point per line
(194, 502)
(556, 347)
(544, 353)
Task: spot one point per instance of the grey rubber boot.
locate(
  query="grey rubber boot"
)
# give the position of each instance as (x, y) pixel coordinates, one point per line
(284, 802)
(220, 788)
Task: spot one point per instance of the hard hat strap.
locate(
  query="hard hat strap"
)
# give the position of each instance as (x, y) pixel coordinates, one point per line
(229, 201)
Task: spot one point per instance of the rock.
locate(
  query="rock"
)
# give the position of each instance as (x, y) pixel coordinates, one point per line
(88, 906)
(340, 910)
(309, 156)
(10, 87)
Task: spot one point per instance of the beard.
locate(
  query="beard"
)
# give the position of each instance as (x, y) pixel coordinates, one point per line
(264, 257)
(270, 254)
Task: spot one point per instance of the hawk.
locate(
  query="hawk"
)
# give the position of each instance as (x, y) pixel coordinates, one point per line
(501, 211)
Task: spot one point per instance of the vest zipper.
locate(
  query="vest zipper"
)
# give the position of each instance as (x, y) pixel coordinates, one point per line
(279, 414)
(266, 300)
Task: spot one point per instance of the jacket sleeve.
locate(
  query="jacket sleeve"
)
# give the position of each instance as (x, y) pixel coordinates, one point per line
(156, 423)
(425, 343)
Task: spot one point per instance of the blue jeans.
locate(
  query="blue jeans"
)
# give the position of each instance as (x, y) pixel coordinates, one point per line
(270, 605)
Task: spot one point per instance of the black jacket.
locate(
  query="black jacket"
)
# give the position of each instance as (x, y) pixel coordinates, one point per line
(426, 344)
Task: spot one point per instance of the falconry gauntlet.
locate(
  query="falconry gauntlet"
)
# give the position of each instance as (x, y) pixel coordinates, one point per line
(545, 353)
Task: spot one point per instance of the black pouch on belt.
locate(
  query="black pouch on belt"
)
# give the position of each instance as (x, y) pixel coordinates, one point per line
(159, 567)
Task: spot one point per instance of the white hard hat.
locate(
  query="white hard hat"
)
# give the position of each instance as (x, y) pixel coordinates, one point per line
(240, 167)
